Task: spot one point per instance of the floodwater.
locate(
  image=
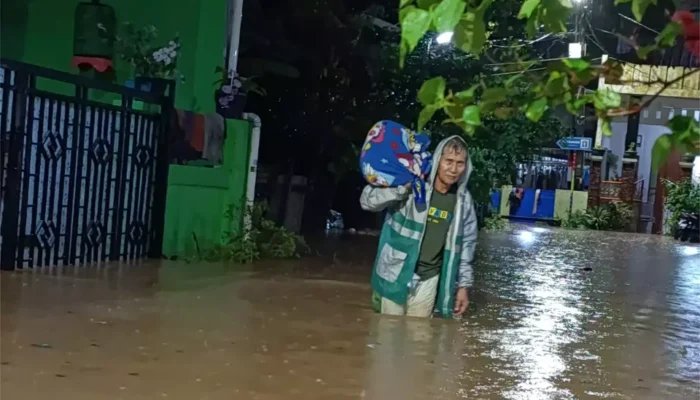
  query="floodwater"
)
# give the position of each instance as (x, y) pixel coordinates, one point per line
(554, 315)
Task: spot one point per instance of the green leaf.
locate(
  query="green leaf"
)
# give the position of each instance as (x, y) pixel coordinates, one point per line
(510, 81)
(483, 6)
(570, 103)
(588, 98)
(503, 113)
(557, 85)
(403, 51)
(491, 98)
(617, 2)
(667, 37)
(536, 109)
(469, 129)
(432, 91)
(470, 32)
(576, 64)
(680, 123)
(643, 51)
(685, 129)
(447, 14)
(606, 99)
(470, 115)
(470, 35)
(606, 127)
(554, 14)
(528, 8)
(454, 111)
(532, 26)
(467, 94)
(404, 3)
(414, 24)
(427, 4)
(426, 115)
(661, 150)
(494, 95)
(639, 7)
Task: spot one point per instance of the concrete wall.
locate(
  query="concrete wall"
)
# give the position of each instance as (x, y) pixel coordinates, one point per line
(208, 202)
(649, 134)
(651, 127)
(616, 144)
(41, 32)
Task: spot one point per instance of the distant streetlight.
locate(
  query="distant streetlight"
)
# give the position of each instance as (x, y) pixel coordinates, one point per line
(444, 38)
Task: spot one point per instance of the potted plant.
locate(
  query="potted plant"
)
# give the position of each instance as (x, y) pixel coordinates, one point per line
(598, 151)
(631, 151)
(155, 67)
(688, 158)
(232, 91)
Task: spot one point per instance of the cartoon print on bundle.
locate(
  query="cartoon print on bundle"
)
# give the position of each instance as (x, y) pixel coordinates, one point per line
(393, 156)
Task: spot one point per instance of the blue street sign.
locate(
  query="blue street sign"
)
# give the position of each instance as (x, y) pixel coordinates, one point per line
(575, 143)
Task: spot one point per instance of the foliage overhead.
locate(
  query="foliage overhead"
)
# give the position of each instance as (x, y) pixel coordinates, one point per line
(555, 83)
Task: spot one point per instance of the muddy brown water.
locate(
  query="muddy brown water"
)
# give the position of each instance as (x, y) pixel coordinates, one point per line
(554, 315)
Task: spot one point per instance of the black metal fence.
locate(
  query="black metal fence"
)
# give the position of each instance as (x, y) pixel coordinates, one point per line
(82, 181)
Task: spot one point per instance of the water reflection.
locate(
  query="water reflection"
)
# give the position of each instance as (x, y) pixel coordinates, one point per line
(526, 238)
(682, 334)
(690, 250)
(580, 314)
(554, 315)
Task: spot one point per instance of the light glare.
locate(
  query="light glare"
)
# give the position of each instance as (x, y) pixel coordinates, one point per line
(575, 50)
(443, 38)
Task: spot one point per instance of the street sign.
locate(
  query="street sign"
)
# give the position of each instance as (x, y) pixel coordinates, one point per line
(575, 143)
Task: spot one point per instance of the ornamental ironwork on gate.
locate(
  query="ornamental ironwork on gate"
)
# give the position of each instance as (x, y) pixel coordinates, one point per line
(83, 167)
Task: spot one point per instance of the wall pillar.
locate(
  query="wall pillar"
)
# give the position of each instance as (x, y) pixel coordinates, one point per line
(686, 170)
(594, 183)
(628, 180)
(208, 54)
(628, 189)
(632, 125)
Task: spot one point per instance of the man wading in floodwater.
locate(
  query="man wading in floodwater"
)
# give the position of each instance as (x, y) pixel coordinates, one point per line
(424, 260)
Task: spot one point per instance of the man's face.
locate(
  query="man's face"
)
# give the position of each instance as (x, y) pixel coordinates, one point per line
(452, 166)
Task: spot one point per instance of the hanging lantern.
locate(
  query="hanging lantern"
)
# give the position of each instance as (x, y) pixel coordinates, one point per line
(93, 36)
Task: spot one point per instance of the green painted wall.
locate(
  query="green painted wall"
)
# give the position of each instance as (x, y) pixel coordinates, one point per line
(199, 197)
(41, 32)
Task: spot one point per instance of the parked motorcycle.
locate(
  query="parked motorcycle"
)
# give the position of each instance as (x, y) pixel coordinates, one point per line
(688, 229)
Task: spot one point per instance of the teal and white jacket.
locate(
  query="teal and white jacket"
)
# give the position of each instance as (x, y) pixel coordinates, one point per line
(402, 234)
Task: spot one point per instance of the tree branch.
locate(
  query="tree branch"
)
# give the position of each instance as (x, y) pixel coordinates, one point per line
(636, 109)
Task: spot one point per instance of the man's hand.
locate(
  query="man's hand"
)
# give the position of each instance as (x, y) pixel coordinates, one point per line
(409, 185)
(461, 301)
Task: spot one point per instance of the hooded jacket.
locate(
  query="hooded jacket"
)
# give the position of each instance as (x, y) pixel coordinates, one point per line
(402, 235)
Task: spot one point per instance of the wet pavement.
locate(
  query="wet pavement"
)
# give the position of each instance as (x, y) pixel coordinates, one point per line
(554, 315)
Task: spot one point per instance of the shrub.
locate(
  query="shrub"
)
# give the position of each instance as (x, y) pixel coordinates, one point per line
(683, 196)
(608, 217)
(495, 223)
(576, 220)
(261, 238)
